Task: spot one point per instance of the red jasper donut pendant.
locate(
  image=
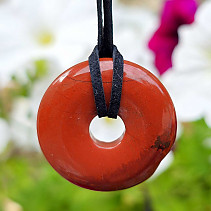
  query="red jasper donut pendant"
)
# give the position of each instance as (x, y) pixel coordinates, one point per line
(67, 109)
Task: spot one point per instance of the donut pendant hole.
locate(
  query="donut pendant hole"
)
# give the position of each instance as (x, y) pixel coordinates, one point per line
(107, 132)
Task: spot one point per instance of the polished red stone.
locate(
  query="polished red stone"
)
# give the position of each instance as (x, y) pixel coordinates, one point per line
(67, 109)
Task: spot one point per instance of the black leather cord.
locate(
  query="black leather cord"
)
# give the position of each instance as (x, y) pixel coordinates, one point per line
(116, 91)
(105, 34)
(97, 83)
(106, 49)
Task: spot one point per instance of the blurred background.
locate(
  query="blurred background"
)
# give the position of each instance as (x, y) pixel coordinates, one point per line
(40, 39)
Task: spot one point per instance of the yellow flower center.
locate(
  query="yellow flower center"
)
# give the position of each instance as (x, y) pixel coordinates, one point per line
(109, 120)
(45, 38)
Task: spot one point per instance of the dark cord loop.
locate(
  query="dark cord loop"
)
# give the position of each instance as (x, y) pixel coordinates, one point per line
(116, 92)
(97, 83)
(106, 49)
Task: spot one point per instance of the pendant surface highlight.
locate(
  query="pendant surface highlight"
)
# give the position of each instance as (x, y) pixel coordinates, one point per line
(67, 109)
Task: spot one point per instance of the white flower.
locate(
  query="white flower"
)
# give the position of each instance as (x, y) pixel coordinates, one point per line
(164, 165)
(106, 130)
(58, 29)
(23, 127)
(66, 31)
(132, 29)
(23, 117)
(189, 82)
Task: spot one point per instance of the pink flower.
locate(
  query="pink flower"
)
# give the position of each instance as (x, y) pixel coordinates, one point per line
(175, 13)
